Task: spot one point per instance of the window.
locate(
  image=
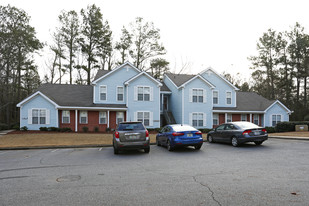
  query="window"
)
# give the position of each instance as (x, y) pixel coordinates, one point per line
(39, 116)
(102, 118)
(215, 97)
(244, 117)
(120, 93)
(215, 119)
(103, 92)
(197, 95)
(144, 117)
(65, 117)
(143, 93)
(228, 97)
(197, 119)
(256, 119)
(83, 117)
(228, 118)
(275, 119)
(119, 117)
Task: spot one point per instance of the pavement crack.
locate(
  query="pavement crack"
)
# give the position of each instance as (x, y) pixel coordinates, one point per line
(209, 189)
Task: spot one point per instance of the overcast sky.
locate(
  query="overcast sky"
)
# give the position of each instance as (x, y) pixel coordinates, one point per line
(221, 34)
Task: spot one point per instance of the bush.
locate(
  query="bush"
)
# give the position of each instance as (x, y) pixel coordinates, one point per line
(24, 128)
(53, 129)
(205, 130)
(270, 129)
(4, 126)
(289, 126)
(16, 127)
(154, 129)
(65, 129)
(85, 129)
(108, 129)
(306, 118)
(43, 129)
(96, 129)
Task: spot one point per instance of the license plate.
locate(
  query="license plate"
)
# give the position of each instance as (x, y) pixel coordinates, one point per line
(133, 137)
(189, 135)
(257, 133)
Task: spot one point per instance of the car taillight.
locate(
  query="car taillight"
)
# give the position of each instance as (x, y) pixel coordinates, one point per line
(246, 132)
(117, 135)
(177, 133)
(264, 130)
(147, 133)
(198, 133)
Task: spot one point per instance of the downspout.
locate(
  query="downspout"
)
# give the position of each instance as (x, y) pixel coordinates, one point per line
(76, 120)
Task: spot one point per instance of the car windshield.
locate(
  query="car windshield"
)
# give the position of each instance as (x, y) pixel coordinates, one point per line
(130, 126)
(246, 125)
(181, 128)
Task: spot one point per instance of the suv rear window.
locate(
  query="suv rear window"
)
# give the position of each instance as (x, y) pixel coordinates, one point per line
(131, 126)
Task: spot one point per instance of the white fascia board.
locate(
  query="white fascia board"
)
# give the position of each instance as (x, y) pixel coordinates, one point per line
(109, 73)
(233, 111)
(93, 108)
(198, 76)
(219, 75)
(159, 84)
(171, 81)
(284, 107)
(33, 95)
(165, 92)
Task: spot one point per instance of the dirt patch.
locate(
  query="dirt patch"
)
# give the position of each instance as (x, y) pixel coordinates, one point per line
(290, 134)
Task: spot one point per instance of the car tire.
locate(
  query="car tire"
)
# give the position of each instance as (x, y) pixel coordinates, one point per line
(146, 150)
(210, 139)
(234, 142)
(258, 142)
(169, 146)
(116, 151)
(197, 147)
(158, 143)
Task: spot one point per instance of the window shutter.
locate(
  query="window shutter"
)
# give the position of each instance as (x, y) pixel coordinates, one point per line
(151, 119)
(190, 119)
(135, 116)
(47, 116)
(29, 116)
(135, 93)
(105, 95)
(204, 119)
(190, 95)
(204, 96)
(151, 93)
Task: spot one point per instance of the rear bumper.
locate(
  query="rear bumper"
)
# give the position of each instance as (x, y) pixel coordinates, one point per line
(184, 143)
(132, 145)
(252, 139)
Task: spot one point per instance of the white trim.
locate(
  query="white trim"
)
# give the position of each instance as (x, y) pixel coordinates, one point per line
(118, 93)
(143, 119)
(33, 95)
(94, 108)
(104, 100)
(127, 103)
(165, 92)
(271, 119)
(246, 115)
(93, 90)
(183, 105)
(250, 117)
(80, 116)
(202, 78)
(62, 116)
(159, 93)
(103, 117)
(225, 118)
(211, 69)
(226, 97)
(213, 117)
(109, 73)
(197, 100)
(284, 107)
(107, 118)
(171, 81)
(258, 119)
(234, 111)
(159, 84)
(47, 115)
(213, 97)
(76, 120)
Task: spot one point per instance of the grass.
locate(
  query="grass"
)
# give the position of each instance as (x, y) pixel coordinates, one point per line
(290, 134)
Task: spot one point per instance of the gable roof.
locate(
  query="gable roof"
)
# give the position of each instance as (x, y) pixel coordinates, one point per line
(105, 74)
(183, 79)
(248, 101)
(66, 95)
(164, 88)
(140, 74)
(101, 73)
(220, 76)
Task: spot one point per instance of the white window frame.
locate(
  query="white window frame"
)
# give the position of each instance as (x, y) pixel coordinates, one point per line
(215, 117)
(258, 119)
(243, 119)
(228, 97)
(117, 117)
(213, 96)
(39, 110)
(118, 87)
(227, 118)
(64, 114)
(143, 93)
(102, 88)
(197, 90)
(276, 119)
(103, 116)
(143, 118)
(198, 119)
(83, 113)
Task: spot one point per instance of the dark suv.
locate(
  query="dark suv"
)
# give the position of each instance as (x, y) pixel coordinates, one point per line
(131, 135)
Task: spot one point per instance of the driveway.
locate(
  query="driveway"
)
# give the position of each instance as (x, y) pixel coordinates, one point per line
(275, 173)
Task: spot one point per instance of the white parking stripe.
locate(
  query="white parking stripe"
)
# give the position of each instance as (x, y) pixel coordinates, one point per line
(55, 150)
(100, 149)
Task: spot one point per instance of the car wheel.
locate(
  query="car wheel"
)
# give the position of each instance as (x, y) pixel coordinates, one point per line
(258, 142)
(197, 147)
(235, 142)
(210, 139)
(158, 143)
(169, 146)
(146, 150)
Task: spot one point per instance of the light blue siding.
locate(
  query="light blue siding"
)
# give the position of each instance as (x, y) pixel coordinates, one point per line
(38, 102)
(222, 87)
(144, 106)
(276, 109)
(115, 79)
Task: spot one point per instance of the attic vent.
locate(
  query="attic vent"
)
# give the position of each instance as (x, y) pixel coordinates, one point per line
(209, 72)
(128, 68)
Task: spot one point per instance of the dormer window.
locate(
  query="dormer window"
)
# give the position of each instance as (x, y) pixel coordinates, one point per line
(103, 92)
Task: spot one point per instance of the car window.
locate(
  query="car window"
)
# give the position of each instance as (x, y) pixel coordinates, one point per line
(130, 126)
(220, 128)
(229, 127)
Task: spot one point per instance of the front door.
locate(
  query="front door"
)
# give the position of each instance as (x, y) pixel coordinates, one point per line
(165, 103)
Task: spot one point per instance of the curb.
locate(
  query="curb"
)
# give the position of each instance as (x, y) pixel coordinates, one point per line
(289, 138)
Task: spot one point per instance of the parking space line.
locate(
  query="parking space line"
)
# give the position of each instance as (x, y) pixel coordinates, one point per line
(55, 150)
(101, 149)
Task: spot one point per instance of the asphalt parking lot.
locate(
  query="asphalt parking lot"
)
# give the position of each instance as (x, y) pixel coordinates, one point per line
(275, 173)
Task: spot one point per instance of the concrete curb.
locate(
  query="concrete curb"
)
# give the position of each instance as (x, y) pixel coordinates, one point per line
(290, 138)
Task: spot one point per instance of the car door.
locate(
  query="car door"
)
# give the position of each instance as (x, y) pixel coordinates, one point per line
(160, 136)
(217, 135)
(167, 132)
(228, 132)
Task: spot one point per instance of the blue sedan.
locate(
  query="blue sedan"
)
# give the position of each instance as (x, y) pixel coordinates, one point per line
(177, 135)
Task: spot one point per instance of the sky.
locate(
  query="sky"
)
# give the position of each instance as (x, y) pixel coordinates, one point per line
(220, 34)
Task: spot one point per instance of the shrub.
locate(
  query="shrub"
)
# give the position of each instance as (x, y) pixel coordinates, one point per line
(4, 126)
(16, 127)
(205, 130)
(270, 129)
(65, 129)
(85, 129)
(289, 126)
(96, 129)
(53, 129)
(24, 128)
(306, 118)
(108, 129)
(154, 129)
(43, 129)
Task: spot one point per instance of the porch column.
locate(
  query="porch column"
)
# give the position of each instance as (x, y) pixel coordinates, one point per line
(108, 119)
(225, 119)
(76, 120)
(250, 117)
